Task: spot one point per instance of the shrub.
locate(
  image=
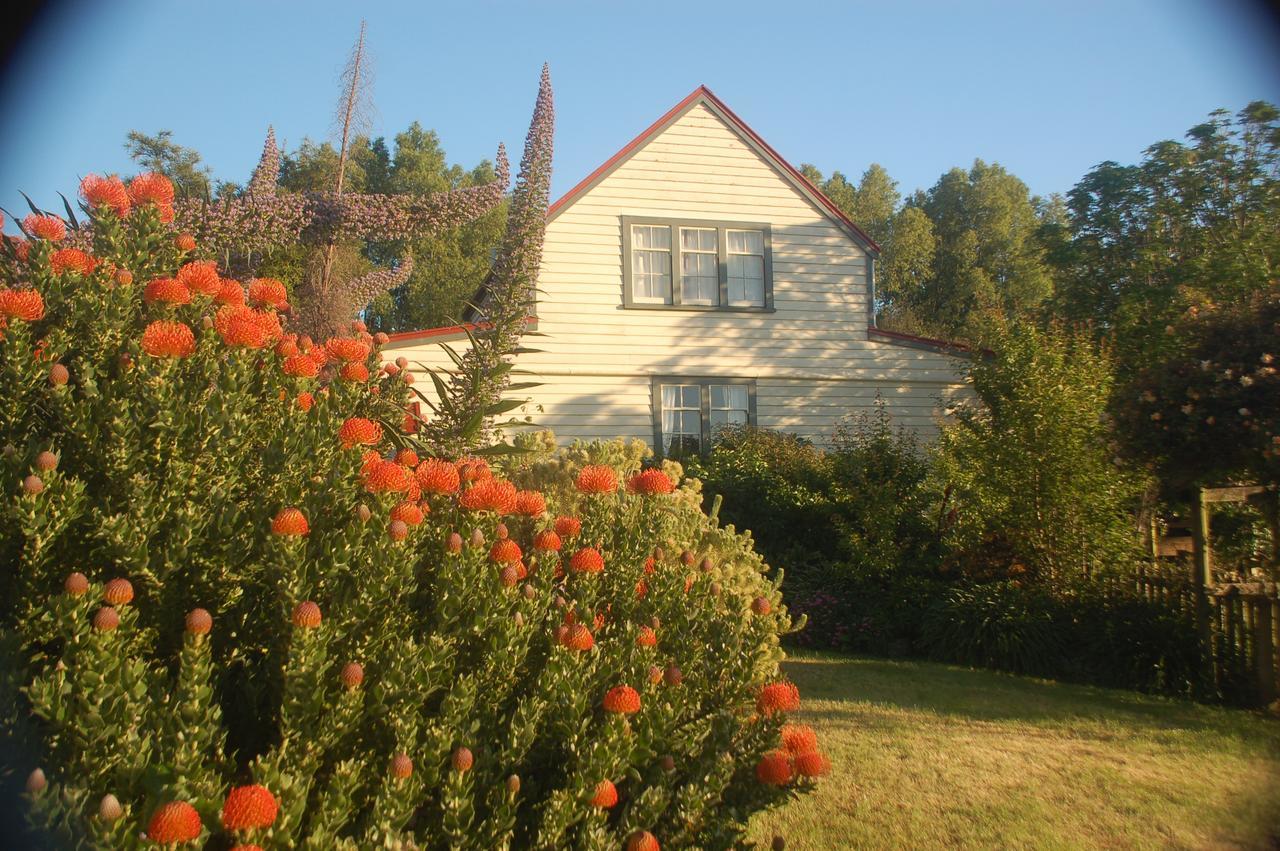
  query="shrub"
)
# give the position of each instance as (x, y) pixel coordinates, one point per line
(1031, 468)
(241, 605)
(1210, 413)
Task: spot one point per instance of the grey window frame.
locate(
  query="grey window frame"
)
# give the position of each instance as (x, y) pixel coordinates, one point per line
(704, 383)
(722, 252)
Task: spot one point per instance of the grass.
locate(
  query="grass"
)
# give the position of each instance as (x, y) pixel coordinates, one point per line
(932, 756)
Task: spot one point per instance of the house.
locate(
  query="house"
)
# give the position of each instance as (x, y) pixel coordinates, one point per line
(696, 279)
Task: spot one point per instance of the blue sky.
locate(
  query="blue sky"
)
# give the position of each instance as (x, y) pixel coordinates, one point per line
(1048, 89)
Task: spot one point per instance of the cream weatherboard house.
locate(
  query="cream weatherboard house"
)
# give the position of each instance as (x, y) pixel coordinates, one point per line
(697, 279)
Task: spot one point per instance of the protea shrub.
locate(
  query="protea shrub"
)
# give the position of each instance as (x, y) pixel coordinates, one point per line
(231, 619)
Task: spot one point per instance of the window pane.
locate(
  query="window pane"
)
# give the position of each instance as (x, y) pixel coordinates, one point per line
(651, 236)
(736, 417)
(746, 242)
(737, 397)
(692, 396)
(691, 422)
(719, 419)
(669, 420)
(670, 397)
(698, 239)
(719, 396)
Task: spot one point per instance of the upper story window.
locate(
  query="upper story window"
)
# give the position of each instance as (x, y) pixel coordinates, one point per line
(676, 264)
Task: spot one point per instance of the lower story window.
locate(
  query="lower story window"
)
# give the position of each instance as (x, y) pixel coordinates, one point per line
(688, 412)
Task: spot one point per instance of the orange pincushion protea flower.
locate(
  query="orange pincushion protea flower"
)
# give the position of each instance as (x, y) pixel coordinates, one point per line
(605, 796)
(408, 513)
(505, 551)
(347, 349)
(165, 339)
(587, 560)
(547, 540)
(176, 821)
(798, 738)
(166, 291)
(356, 372)
(647, 637)
(201, 276)
(51, 228)
(72, 260)
(249, 807)
(27, 305)
(568, 527)
(774, 768)
(185, 242)
(812, 764)
(268, 292)
(229, 292)
(649, 483)
(489, 495)
(622, 699)
(105, 192)
(531, 504)
(597, 478)
(401, 766)
(150, 188)
(244, 327)
(437, 476)
(288, 346)
(300, 366)
(358, 430)
(290, 522)
(778, 697)
(199, 622)
(305, 401)
(383, 476)
(577, 637)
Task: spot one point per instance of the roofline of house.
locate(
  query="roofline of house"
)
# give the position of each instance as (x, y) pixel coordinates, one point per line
(445, 333)
(702, 94)
(912, 341)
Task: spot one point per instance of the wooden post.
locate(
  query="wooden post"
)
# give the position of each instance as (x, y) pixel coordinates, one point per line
(1264, 666)
(1201, 580)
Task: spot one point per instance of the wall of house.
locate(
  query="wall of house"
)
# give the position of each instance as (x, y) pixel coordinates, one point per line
(811, 358)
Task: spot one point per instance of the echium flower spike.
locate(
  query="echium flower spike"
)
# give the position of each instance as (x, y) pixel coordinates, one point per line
(507, 296)
(267, 174)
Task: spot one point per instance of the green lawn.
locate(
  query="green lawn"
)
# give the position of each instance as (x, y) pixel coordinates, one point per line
(931, 756)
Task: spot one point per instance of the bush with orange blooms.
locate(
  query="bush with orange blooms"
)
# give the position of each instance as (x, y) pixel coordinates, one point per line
(244, 606)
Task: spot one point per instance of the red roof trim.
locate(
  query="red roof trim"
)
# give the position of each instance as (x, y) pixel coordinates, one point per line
(400, 336)
(701, 93)
(447, 331)
(963, 348)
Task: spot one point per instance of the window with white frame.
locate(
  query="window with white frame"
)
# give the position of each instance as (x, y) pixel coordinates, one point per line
(728, 406)
(699, 266)
(681, 418)
(651, 263)
(696, 265)
(746, 268)
(690, 412)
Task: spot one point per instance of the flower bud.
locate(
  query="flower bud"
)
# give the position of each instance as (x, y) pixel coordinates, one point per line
(502, 532)
(529, 591)
(77, 583)
(707, 565)
(672, 675)
(513, 784)
(36, 782)
(462, 760)
(668, 763)
(110, 810)
(58, 375)
(46, 461)
(686, 558)
(363, 512)
(32, 485)
(477, 538)
(455, 542)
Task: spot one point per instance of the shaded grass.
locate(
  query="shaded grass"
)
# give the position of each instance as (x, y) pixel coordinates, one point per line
(932, 756)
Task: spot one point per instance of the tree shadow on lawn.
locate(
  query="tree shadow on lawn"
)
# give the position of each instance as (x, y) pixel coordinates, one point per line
(981, 695)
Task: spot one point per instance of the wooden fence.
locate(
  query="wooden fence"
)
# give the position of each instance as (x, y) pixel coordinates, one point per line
(1243, 627)
(1238, 622)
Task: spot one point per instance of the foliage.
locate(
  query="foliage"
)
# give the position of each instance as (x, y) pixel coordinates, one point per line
(159, 153)
(1030, 471)
(1210, 413)
(223, 567)
(1190, 226)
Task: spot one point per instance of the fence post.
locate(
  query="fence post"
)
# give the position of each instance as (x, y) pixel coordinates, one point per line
(1201, 580)
(1264, 665)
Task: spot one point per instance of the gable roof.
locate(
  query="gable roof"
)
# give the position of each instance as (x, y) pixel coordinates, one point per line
(705, 97)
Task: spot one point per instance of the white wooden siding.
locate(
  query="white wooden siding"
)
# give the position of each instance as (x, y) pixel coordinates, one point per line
(810, 358)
